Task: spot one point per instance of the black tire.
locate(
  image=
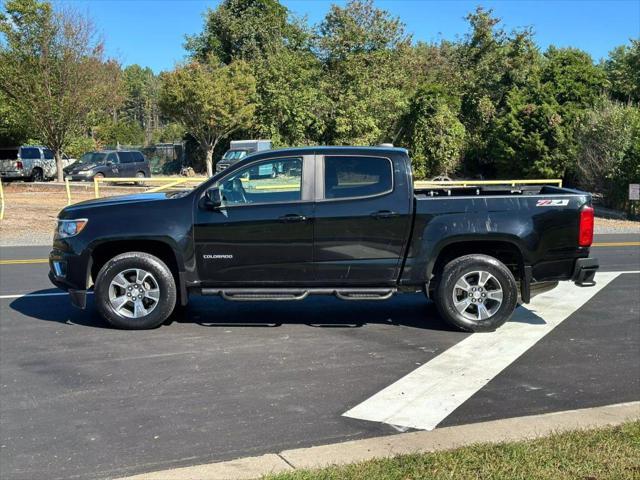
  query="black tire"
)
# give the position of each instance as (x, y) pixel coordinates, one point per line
(37, 175)
(466, 265)
(161, 274)
(140, 175)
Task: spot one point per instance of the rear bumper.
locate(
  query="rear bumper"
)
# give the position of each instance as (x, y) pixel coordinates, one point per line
(585, 271)
(13, 174)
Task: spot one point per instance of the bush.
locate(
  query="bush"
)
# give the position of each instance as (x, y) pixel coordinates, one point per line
(608, 159)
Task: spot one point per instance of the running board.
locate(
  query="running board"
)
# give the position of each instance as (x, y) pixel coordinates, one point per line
(275, 294)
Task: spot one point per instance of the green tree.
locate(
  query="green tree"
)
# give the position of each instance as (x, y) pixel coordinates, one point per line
(210, 101)
(13, 128)
(52, 71)
(433, 132)
(530, 138)
(623, 71)
(140, 99)
(365, 53)
(608, 139)
(277, 47)
(289, 98)
(242, 30)
(121, 132)
(491, 62)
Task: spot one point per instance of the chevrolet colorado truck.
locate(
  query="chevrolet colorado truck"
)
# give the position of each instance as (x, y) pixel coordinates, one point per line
(342, 221)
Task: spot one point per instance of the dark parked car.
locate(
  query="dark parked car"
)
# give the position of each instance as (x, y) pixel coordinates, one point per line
(334, 221)
(109, 163)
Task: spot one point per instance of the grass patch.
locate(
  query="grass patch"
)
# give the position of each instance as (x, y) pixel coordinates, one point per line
(607, 453)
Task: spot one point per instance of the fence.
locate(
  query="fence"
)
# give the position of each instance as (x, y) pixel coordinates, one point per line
(169, 183)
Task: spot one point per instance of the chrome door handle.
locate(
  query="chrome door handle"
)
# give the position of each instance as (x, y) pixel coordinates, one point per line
(381, 214)
(292, 217)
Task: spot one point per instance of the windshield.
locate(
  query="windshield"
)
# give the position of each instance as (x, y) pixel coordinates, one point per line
(235, 154)
(93, 158)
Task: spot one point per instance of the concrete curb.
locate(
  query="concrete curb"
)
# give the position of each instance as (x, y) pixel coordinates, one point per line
(510, 429)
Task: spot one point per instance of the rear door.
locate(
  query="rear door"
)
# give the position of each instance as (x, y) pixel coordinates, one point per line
(362, 220)
(127, 166)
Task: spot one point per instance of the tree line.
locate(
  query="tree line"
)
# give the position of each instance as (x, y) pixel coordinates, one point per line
(491, 103)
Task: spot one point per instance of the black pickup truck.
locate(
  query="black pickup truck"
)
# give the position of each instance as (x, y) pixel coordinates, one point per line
(343, 221)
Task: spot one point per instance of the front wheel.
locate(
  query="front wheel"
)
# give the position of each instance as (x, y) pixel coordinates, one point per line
(135, 291)
(476, 293)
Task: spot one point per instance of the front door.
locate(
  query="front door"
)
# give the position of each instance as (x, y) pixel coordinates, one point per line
(112, 165)
(263, 232)
(362, 221)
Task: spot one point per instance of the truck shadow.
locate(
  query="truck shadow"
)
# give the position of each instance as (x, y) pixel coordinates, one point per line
(408, 310)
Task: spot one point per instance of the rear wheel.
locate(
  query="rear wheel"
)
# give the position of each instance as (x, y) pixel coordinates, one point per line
(99, 175)
(476, 293)
(140, 175)
(37, 175)
(135, 291)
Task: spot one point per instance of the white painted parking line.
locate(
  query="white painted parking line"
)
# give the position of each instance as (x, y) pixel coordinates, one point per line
(427, 395)
(23, 295)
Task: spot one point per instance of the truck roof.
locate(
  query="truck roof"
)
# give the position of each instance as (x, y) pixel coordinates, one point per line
(333, 148)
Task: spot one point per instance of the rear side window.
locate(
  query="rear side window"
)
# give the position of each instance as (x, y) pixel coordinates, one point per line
(30, 153)
(346, 177)
(48, 154)
(126, 157)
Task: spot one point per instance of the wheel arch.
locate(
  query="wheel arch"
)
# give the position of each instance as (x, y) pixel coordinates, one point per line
(504, 250)
(104, 251)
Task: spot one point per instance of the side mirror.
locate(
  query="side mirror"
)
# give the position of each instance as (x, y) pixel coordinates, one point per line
(212, 198)
(109, 163)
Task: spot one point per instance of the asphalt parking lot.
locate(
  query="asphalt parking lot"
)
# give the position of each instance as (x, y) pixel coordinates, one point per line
(227, 380)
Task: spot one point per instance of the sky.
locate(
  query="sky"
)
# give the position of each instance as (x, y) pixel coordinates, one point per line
(151, 33)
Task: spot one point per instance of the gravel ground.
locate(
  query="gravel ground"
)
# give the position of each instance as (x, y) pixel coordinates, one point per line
(31, 211)
(607, 225)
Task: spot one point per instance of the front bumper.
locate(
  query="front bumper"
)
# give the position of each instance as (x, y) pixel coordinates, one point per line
(585, 271)
(69, 272)
(78, 177)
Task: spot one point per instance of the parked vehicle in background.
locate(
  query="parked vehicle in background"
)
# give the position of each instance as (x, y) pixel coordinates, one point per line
(240, 149)
(109, 163)
(334, 221)
(28, 162)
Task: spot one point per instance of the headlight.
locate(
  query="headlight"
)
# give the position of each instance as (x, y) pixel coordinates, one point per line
(69, 228)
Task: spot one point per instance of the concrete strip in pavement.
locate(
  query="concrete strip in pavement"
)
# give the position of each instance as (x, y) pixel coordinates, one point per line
(510, 429)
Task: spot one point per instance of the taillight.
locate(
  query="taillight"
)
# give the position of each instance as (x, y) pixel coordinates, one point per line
(19, 165)
(585, 235)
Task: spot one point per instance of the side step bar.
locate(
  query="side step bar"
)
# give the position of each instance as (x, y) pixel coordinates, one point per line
(275, 294)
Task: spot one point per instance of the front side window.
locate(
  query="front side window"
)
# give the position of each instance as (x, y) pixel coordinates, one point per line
(348, 177)
(48, 154)
(272, 181)
(30, 153)
(113, 158)
(234, 155)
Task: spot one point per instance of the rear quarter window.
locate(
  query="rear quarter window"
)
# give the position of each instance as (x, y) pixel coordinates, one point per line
(30, 153)
(348, 177)
(138, 156)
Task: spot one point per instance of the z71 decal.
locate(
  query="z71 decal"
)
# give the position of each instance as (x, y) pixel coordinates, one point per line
(552, 203)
